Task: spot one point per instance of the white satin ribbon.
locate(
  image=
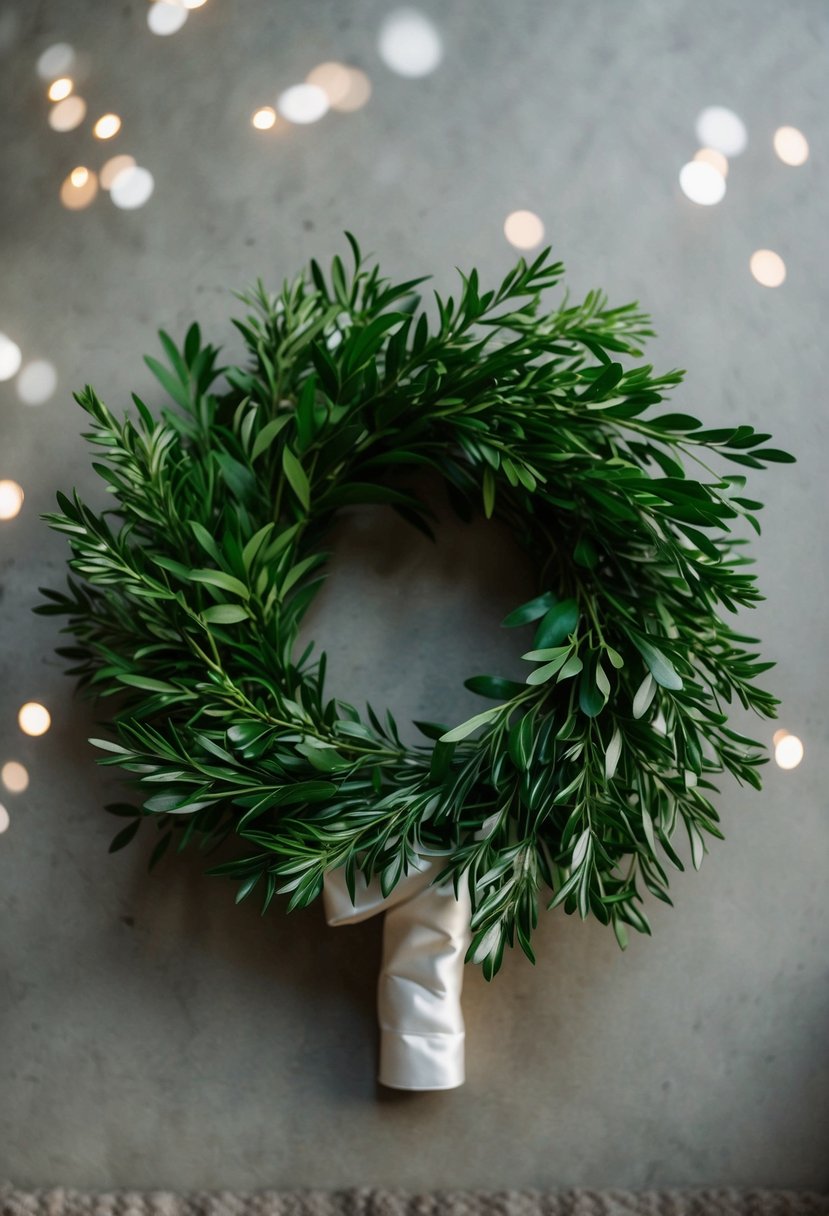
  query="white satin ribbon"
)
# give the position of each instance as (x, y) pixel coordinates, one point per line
(425, 937)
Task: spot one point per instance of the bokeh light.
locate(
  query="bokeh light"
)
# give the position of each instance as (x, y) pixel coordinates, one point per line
(4, 819)
(132, 187)
(11, 499)
(60, 88)
(192, 3)
(15, 777)
(107, 126)
(68, 114)
(778, 735)
(34, 718)
(55, 61)
(164, 18)
(10, 357)
(264, 118)
(303, 103)
(701, 183)
(111, 168)
(720, 128)
(523, 229)
(78, 189)
(791, 146)
(788, 751)
(710, 156)
(37, 382)
(409, 43)
(346, 88)
(768, 267)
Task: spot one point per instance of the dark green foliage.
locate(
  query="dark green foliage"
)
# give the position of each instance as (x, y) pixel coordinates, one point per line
(188, 596)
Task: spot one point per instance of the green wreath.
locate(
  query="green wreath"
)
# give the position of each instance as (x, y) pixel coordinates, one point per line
(187, 607)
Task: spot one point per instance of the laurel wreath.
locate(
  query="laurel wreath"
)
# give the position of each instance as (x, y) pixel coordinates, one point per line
(188, 595)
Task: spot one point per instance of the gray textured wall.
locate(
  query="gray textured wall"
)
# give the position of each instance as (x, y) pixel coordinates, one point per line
(153, 1034)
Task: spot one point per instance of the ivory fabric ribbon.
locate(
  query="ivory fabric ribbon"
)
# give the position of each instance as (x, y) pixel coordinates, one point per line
(425, 937)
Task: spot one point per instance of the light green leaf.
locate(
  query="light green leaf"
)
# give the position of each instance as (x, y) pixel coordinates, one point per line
(297, 478)
(471, 724)
(225, 614)
(218, 578)
(267, 435)
(644, 695)
(661, 668)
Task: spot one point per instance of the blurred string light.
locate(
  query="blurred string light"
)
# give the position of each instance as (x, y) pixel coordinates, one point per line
(720, 128)
(37, 382)
(409, 43)
(768, 267)
(710, 156)
(132, 187)
(346, 88)
(4, 819)
(55, 61)
(78, 189)
(111, 168)
(10, 357)
(702, 183)
(788, 749)
(523, 229)
(107, 126)
(60, 88)
(303, 103)
(11, 499)
(165, 18)
(68, 114)
(34, 718)
(264, 118)
(791, 146)
(14, 776)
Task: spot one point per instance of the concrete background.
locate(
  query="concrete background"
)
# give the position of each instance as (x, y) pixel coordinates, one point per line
(152, 1033)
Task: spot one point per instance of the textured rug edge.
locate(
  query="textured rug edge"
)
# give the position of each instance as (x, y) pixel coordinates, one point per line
(66, 1201)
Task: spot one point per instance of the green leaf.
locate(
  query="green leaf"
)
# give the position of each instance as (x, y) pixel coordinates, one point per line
(168, 381)
(296, 477)
(225, 614)
(471, 724)
(147, 683)
(218, 578)
(493, 686)
(644, 695)
(612, 755)
(591, 700)
(267, 435)
(660, 667)
(542, 674)
(531, 611)
(489, 492)
(557, 624)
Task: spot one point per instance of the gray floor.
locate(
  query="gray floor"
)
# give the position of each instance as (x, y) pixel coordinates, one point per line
(153, 1034)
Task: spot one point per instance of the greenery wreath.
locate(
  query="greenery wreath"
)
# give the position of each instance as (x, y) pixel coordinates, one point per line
(188, 606)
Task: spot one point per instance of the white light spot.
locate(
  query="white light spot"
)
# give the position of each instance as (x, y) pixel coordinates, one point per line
(60, 88)
(10, 358)
(720, 128)
(701, 183)
(34, 718)
(107, 126)
(68, 114)
(791, 146)
(778, 735)
(11, 499)
(710, 156)
(264, 118)
(523, 229)
(164, 18)
(115, 165)
(14, 776)
(37, 382)
(192, 3)
(55, 61)
(302, 103)
(4, 819)
(409, 43)
(788, 751)
(768, 267)
(132, 187)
